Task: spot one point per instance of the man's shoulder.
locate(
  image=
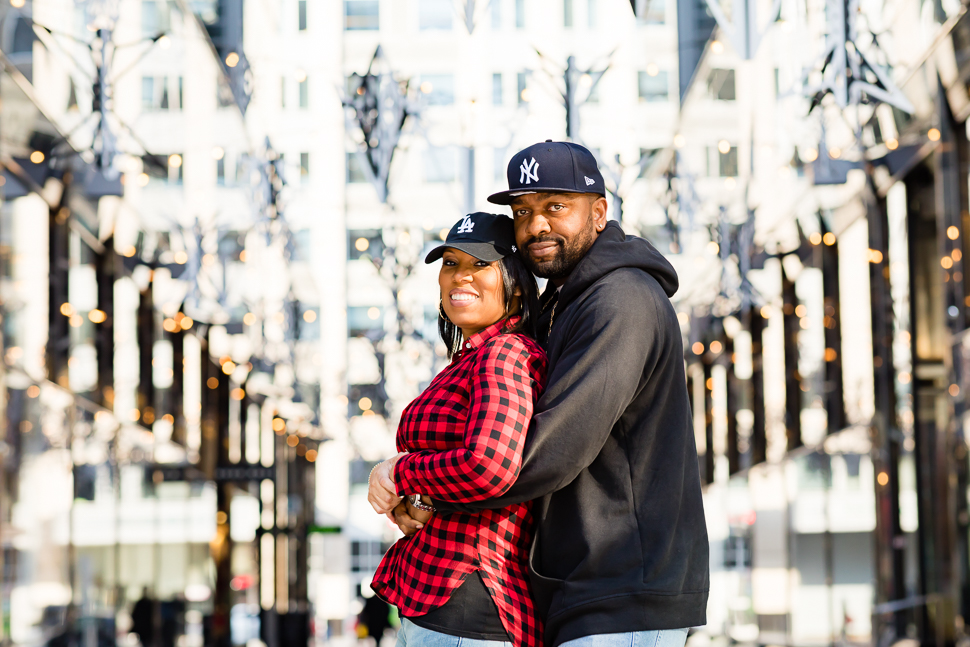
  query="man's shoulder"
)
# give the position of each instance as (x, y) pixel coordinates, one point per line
(626, 286)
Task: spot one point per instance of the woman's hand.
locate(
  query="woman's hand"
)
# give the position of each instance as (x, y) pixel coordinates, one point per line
(421, 516)
(408, 518)
(381, 492)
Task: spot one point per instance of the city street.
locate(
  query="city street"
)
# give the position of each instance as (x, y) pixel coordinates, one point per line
(215, 306)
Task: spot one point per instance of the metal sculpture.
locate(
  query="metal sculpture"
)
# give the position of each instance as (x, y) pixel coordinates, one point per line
(378, 106)
(849, 74)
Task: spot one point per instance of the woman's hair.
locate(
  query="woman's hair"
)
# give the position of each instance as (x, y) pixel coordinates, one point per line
(514, 275)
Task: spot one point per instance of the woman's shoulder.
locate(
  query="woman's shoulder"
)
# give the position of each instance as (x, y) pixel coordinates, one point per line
(517, 344)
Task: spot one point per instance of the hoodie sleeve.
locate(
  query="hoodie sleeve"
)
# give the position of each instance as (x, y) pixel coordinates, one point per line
(623, 329)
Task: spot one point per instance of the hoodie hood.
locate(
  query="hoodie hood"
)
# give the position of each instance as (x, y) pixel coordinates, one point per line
(613, 250)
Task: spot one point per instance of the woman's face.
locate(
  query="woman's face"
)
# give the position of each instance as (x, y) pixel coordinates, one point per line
(471, 291)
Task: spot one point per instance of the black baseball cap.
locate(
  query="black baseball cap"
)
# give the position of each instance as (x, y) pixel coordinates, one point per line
(486, 236)
(551, 167)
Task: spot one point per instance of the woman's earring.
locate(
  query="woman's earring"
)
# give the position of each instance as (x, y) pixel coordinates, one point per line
(441, 310)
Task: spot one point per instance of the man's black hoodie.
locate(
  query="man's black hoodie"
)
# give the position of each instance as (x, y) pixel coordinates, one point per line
(621, 541)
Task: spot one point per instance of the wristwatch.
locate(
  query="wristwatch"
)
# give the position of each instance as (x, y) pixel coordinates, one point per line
(419, 504)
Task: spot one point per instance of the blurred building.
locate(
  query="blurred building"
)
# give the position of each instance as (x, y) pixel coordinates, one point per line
(213, 217)
(818, 200)
(161, 330)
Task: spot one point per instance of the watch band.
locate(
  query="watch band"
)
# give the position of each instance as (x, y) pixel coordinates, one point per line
(419, 504)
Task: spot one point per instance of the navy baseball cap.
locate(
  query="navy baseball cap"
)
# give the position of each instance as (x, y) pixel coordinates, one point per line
(551, 167)
(486, 236)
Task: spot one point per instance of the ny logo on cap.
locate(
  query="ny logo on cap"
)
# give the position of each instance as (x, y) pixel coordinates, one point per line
(528, 171)
(466, 225)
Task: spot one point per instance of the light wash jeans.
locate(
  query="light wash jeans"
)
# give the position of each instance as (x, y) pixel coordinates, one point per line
(411, 635)
(661, 638)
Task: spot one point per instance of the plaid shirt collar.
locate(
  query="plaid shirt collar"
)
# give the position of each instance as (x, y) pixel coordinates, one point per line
(483, 336)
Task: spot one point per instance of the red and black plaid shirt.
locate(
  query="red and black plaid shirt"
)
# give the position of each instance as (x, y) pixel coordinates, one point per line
(465, 435)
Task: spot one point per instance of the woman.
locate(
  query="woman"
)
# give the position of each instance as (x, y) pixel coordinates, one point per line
(463, 579)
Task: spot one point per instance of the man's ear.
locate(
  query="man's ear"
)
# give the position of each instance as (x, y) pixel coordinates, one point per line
(599, 208)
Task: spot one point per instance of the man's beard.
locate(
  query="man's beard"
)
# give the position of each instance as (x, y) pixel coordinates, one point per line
(567, 256)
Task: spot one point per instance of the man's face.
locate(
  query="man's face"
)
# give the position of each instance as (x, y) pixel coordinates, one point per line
(555, 230)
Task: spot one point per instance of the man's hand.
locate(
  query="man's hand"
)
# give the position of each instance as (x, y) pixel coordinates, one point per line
(381, 492)
(408, 518)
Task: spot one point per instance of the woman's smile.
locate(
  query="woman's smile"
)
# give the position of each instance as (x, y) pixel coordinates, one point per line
(462, 298)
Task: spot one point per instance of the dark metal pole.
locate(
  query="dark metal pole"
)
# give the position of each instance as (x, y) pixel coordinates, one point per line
(890, 543)
(759, 443)
(832, 322)
(793, 380)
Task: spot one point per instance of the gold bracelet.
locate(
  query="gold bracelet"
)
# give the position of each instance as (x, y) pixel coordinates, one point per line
(372, 472)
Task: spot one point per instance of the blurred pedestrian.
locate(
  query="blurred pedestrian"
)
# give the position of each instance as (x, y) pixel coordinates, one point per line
(375, 617)
(143, 619)
(172, 615)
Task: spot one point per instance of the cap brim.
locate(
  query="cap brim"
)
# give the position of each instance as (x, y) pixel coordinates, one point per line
(506, 197)
(481, 251)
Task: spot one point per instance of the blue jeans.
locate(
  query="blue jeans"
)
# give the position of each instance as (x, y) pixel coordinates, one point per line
(661, 638)
(411, 635)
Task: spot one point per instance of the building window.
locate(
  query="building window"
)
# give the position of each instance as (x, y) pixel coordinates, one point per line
(283, 92)
(365, 243)
(647, 155)
(362, 320)
(520, 14)
(355, 172)
(155, 94)
(651, 12)
(155, 17)
(304, 93)
(521, 89)
(497, 89)
(499, 163)
(181, 96)
(567, 13)
(591, 14)
(720, 85)
(176, 162)
(361, 15)
(652, 87)
(304, 167)
(496, 6)
(301, 9)
(148, 93)
(221, 171)
(365, 556)
(441, 164)
(727, 163)
(155, 167)
(435, 14)
(439, 89)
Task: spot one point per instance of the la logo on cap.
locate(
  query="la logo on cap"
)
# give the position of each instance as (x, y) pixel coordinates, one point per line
(528, 171)
(466, 226)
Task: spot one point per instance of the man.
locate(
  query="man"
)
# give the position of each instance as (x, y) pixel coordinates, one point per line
(621, 551)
